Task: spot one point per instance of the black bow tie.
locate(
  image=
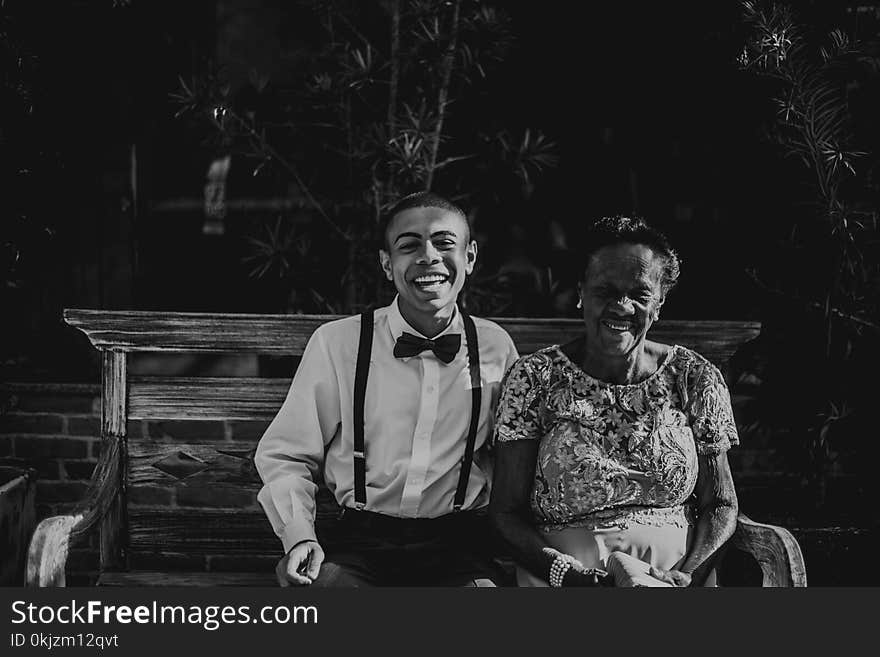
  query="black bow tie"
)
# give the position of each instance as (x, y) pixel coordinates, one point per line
(445, 347)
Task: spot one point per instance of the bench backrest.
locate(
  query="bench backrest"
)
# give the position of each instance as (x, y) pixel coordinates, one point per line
(188, 497)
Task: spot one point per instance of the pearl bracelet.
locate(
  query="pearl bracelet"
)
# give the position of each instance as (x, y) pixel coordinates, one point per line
(560, 566)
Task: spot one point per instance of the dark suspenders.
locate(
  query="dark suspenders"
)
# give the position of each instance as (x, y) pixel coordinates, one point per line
(360, 389)
(365, 348)
(470, 334)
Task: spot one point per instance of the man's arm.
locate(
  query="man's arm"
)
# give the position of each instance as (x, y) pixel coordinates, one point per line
(291, 453)
(507, 357)
(512, 355)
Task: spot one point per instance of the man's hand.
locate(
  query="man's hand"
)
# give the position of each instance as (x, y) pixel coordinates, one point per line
(301, 565)
(674, 577)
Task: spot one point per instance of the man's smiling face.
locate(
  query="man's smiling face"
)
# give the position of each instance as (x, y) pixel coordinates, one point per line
(429, 254)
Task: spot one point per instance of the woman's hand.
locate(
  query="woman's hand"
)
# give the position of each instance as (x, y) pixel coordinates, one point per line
(577, 574)
(672, 576)
(578, 577)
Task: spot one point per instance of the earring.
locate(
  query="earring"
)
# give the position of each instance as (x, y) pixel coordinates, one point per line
(580, 304)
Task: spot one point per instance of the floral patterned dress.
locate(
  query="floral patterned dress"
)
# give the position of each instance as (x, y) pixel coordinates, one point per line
(616, 463)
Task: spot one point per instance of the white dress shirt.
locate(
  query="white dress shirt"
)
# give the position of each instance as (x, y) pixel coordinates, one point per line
(416, 417)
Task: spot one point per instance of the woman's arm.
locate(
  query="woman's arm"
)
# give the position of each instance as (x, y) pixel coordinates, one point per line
(510, 514)
(711, 418)
(717, 510)
(509, 505)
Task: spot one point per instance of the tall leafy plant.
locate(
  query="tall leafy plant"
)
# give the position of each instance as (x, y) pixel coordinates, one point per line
(25, 235)
(388, 103)
(814, 125)
(812, 77)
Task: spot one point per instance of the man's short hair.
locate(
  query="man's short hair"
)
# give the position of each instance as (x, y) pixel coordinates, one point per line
(419, 200)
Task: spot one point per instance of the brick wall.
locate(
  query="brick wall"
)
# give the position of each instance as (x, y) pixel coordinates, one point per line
(54, 428)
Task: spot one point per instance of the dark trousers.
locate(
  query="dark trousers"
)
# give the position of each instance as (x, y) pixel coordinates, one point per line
(453, 550)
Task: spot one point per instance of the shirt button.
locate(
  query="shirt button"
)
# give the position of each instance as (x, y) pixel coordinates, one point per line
(430, 388)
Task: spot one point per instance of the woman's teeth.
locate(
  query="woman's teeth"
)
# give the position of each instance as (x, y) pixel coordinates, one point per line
(616, 326)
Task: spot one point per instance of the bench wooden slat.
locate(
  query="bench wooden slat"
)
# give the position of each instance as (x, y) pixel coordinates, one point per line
(196, 332)
(222, 531)
(205, 462)
(717, 341)
(288, 334)
(205, 398)
(172, 578)
(201, 531)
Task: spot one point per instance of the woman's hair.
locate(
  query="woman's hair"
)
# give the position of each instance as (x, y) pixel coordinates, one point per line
(419, 200)
(609, 231)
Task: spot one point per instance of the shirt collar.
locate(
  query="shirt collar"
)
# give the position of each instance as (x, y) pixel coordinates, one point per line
(397, 324)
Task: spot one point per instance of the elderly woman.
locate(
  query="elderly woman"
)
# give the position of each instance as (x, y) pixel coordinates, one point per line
(601, 442)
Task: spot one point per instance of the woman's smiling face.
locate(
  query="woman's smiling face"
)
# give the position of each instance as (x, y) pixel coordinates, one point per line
(621, 296)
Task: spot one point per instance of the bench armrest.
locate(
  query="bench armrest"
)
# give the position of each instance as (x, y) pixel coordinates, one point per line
(47, 554)
(775, 549)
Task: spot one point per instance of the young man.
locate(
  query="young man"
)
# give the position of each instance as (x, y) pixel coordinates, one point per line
(395, 409)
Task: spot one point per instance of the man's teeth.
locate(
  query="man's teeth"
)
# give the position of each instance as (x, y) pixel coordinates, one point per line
(429, 279)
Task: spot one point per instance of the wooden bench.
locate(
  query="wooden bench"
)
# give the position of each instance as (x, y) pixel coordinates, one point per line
(18, 493)
(147, 536)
